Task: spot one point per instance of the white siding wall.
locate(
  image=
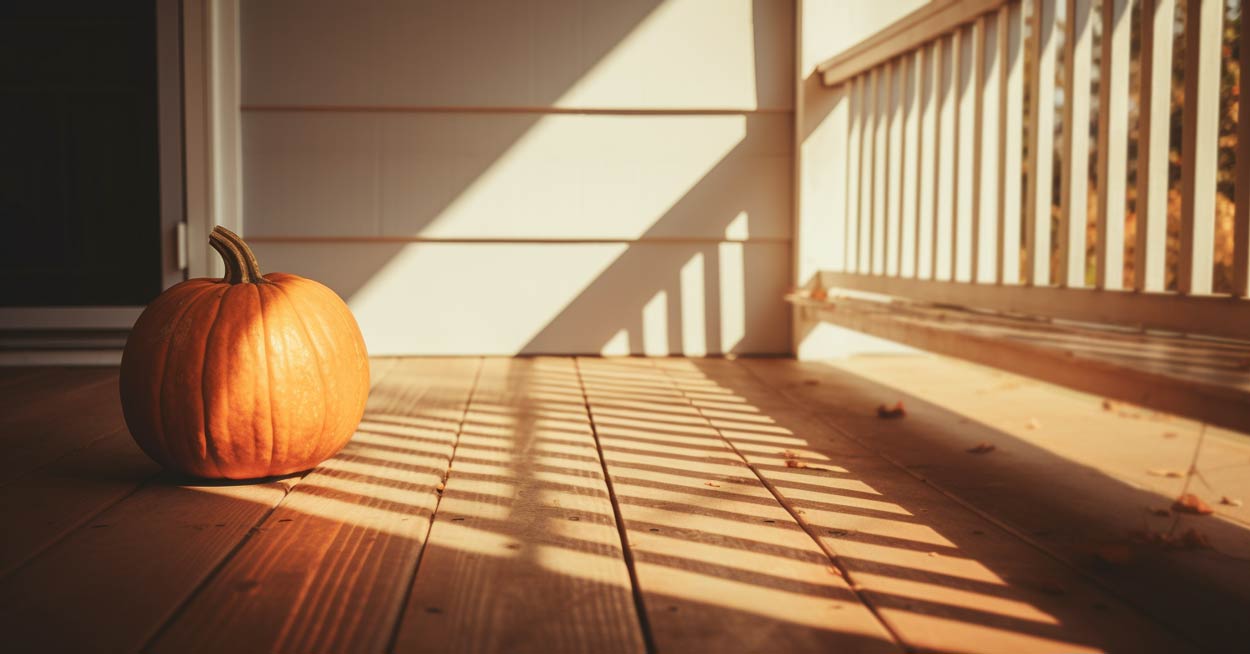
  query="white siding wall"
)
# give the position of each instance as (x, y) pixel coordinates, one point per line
(508, 176)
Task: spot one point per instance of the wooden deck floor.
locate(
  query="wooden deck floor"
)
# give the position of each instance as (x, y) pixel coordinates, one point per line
(603, 505)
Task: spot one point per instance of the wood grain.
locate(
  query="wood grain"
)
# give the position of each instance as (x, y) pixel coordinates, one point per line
(936, 572)
(56, 414)
(329, 568)
(1067, 474)
(524, 554)
(720, 564)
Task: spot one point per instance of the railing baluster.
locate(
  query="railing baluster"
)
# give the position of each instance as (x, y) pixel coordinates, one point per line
(1199, 149)
(1011, 68)
(854, 139)
(947, 173)
(881, 160)
(1241, 217)
(1113, 141)
(1154, 117)
(968, 135)
(898, 145)
(868, 196)
(986, 181)
(913, 151)
(1041, 143)
(940, 98)
(931, 71)
(1074, 184)
(962, 183)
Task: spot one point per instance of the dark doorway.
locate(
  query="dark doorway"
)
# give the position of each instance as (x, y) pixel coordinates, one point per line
(79, 164)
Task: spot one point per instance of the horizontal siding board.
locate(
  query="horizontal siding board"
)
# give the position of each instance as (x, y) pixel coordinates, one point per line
(502, 298)
(449, 175)
(558, 53)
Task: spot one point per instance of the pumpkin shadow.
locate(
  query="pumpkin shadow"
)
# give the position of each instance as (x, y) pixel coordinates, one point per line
(171, 478)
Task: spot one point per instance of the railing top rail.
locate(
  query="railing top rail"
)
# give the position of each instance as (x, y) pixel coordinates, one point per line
(904, 35)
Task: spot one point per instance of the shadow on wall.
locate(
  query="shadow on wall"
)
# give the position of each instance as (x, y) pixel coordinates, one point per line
(657, 290)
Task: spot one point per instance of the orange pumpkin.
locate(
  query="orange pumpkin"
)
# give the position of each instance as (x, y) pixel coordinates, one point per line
(245, 376)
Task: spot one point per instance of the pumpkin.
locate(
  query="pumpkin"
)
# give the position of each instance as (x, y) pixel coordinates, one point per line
(246, 376)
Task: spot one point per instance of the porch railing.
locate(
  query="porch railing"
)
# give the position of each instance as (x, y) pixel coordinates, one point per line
(952, 152)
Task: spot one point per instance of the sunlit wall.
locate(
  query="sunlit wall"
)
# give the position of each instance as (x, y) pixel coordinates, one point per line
(504, 176)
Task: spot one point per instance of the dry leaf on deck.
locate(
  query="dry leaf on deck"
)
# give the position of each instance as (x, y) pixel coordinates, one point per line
(1190, 503)
(982, 448)
(887, 412)
(1107, 405)
(1230, 501)
(1033, 423)
(1114, 553)
(712, 484)
(1160, 472)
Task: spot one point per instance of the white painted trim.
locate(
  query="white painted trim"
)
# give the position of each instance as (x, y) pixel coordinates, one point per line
(211, 126)
(69, 317)
(61, 358)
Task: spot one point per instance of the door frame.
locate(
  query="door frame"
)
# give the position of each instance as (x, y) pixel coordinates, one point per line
(198, 141)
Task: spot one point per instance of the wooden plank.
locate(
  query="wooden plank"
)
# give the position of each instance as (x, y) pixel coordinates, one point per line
(1113, 121)
(1162, 373)
(524, 554)
(44, 505)
(720, 565)
(143, 555)
(1200, 131)
(894, 180)
(947, 148)
(1011, 164)
(881, 161)
(913, 155)
(36, 395)
(69, 413)
(1154, 119)
(928, 161)
(329, 568)
(854, 164)
(41, 508)
(1209, 315)
(110, 583)
(1062, 505)
(942, 577)
(1074, 179)
(1241, 220)
(928, 23)
(987, 183)
(1041, 143)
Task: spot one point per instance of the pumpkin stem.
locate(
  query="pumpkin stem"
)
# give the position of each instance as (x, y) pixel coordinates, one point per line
(241, 266)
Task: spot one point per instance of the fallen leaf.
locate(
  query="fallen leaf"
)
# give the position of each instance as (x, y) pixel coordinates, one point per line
(1190, 539)
(933, 553)
(712, 484)
(889, 413)
(1190, 503)
(1160, 472)
(1107, 405)
(441, 487)
(833, 570)
(1114, 553)
(1170, 434)
(1033, 423)
(981, 448)
(792, 459)
(819, 294)
(1230, 501)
